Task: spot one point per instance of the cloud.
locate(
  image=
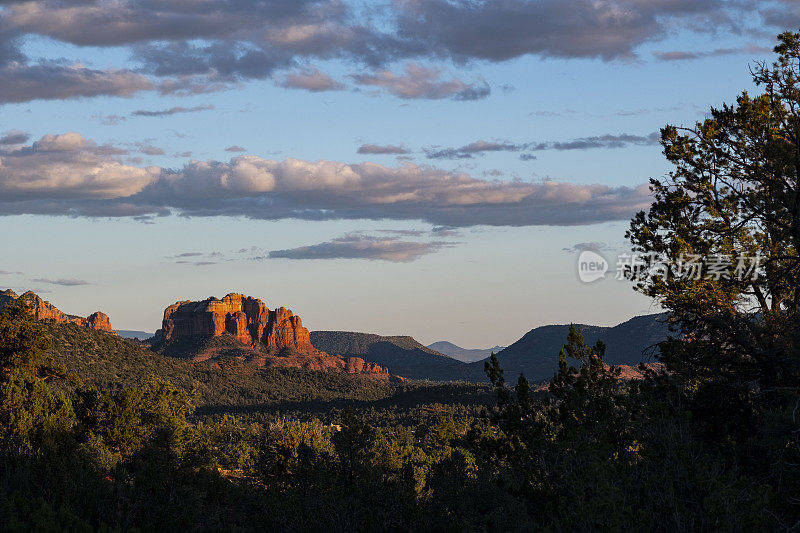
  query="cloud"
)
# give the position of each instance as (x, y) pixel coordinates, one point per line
(481, 147)
(10, 273)
(196, 263)
(56, 81)
(183, 47)
(59, 167)
(781, 15)
(14, 137)
(608, 141)
(469, 150)
(65, 282)
(171, 111)
(111, 120)
(220, 61)
(130, 21)
(418, 82)
(235, 148)
(195, 258)
(377, 149)
(504, 29)
(191, 85)
(311, 79)
(189, 254)
(360, 246)
(593, 246)
(402, 232)
(445, 231)
(67, 165)
(266, 34)
(149, 149)
(682, 55)
(69, 175)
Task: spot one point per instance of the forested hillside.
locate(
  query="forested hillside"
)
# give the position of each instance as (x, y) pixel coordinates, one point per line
(232, 386)
(536, 353)
(402, 355)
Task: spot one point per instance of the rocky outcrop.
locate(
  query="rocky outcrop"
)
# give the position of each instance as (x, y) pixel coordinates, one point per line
(330, 363)
(44, 310)
(356, 365)
(247, 319)
(98, 321)
(243, 327)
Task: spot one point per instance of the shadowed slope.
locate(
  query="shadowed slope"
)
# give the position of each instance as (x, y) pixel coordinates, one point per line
(402, 355)
(536, 353)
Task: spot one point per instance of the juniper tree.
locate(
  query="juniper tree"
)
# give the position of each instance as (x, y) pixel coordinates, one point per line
(733, 200)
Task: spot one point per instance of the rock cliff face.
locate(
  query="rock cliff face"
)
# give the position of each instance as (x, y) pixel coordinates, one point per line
(247, 319)
(206, 330)
(44, 310)
(98, 321)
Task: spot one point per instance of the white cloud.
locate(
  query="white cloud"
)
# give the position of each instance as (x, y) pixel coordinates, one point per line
(68, 174)
(68, 165)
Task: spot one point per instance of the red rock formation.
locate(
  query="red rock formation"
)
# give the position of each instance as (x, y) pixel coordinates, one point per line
(44, 310)
(246, 318)
(356, 365)
(98, 321)
(265, 335)
(330, 363)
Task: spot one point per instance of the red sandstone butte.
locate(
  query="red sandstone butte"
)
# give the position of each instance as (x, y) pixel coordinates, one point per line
(249, 321)
(246, 318)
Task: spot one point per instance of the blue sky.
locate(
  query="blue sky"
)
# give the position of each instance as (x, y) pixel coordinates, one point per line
(163, 150)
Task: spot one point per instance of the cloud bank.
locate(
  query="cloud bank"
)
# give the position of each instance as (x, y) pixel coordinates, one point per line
(67, 174)
(206, 45)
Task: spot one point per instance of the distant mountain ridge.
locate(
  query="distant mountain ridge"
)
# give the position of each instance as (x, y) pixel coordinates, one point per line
(402, 355)
(536, 353)
(467, 355)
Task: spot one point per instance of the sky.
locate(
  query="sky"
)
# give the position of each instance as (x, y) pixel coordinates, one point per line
(422, 167)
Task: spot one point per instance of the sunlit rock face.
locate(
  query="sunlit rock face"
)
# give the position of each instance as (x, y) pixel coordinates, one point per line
(44, 310)
(247, 319)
